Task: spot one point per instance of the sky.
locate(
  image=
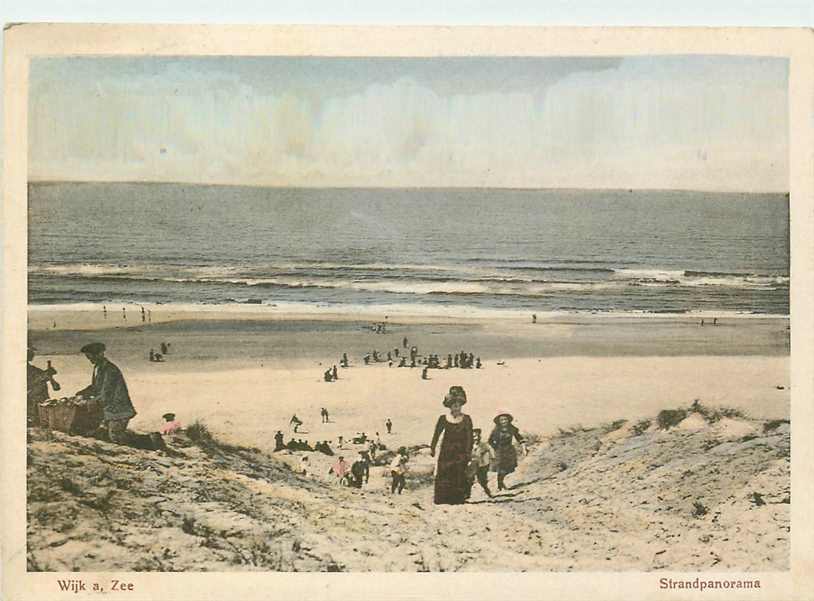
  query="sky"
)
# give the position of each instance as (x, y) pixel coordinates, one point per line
(681, 122)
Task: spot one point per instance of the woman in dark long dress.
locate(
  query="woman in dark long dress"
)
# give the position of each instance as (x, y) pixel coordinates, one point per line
(452, 484)
(502, 441)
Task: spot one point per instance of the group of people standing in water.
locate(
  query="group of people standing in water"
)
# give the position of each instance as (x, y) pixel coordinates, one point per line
(463, 457)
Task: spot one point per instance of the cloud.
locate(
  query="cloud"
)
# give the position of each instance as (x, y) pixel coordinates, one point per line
(656, 122)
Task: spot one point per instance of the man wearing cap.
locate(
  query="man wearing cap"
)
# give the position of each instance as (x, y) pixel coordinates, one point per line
(38, 387)
(108, 386)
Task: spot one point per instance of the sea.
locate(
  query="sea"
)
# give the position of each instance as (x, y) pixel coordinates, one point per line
(428, 250)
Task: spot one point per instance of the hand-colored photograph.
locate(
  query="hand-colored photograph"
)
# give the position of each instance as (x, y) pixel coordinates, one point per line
(431, 314)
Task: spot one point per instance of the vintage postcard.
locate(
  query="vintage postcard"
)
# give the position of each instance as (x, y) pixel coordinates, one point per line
(309, 310)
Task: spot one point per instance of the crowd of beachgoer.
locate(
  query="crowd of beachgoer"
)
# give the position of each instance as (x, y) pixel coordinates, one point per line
(412, 358)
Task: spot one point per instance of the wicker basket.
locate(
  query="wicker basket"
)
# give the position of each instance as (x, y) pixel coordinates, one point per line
(71, 416)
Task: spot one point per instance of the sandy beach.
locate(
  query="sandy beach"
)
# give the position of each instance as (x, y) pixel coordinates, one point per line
(245, 373)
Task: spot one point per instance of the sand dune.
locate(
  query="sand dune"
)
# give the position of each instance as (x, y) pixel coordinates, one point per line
(626, 496)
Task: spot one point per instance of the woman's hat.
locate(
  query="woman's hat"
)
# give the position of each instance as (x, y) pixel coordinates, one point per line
(477, 431)
(169, 416)
(456, 394)
(502, 412)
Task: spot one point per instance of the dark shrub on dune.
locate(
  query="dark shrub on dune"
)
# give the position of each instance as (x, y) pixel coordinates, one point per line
(669, 418)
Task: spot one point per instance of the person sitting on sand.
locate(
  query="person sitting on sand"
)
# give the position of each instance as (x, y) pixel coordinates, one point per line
(398, 468)
(171, 425)
(328, 376)
(38, 380)
(305, 465)
(152, 355)
(424, 374)
(341, 470)
(326, 449)
(291, 445)
(502, 441)
(278, 441)
(482, 457)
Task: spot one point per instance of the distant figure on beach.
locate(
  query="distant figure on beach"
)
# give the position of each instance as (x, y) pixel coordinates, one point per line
(341, 470)
(366, 359)
(702, 322)
(104, 311)
(403, 362)
(169, 344)
(323, 413)
(108, 386)
(38, 380)
(389, 425)
(715, 321)
(55, 325)
(398, 468)
(359, 470)
(424, 373)
(149, 316)
(143, 315)
(455, 360)
(305, 465)
(328, 376)
(124, 313)
(502, 441)
(533, 318)
(339, 440)
(451, 482)
(404, 342)
(152, 355)
(335, 373)
(278, 441)
(164, 348)
(171, 425)
(295, 422)
(482, 457)
(478, 364)
(344, 361)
